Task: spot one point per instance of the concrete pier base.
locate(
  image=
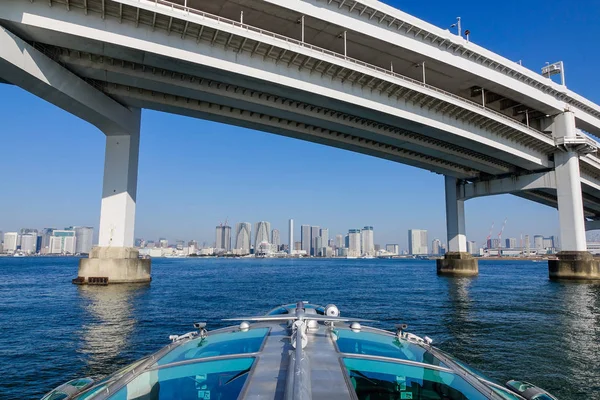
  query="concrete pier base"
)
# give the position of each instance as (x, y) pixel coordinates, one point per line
(574, 265)
(458, 264)
(108, 265)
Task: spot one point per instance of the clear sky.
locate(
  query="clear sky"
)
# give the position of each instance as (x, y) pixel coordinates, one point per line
(194, 174)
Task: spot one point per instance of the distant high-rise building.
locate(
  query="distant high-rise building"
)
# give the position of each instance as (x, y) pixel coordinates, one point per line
(527, 245)
(417, 242)
(392, 248)
(223, 238)
(164, 243)
(10, 242)
(63, 242)
(471, 247)
(305, 238)
(28, 243)
(367, 245)
(84, 238)
(314, 234)
(339, 241)
(262, 232)
(436, 247)
(324, 237)
(291, 236)
(548, 242)
(243, 237)
(354, 245)
(511, 243)
(275, 239)
(46, 233)
(495, 243)
(318, 246)
(179, 244)
(538, 242)
(297, 246)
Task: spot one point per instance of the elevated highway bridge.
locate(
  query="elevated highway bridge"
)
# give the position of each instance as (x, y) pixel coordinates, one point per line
(357, 75)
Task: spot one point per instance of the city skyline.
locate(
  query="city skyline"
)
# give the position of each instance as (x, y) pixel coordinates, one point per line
(178, 183)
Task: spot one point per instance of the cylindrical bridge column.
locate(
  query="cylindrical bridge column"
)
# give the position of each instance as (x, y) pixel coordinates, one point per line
(457, 261)
(115, 260)
(574, 261)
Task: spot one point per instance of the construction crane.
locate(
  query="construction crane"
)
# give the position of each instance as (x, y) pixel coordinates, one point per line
(500, 237)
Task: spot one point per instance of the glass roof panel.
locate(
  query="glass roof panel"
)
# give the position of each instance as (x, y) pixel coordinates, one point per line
(220, 344)
(386, 380)
(377, 344)
(222, 379)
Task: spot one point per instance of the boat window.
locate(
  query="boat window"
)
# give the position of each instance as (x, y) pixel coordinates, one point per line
(69, 389)
(222, 379)
(385, 380)
(376, 344)
(220, 344)
(90, 394)
(505, 394)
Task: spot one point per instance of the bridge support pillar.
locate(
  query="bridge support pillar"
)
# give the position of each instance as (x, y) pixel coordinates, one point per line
(574, 261)
(457, 261)
(115, 260)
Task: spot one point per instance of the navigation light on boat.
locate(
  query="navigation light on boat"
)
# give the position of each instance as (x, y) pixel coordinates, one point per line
(529, 390)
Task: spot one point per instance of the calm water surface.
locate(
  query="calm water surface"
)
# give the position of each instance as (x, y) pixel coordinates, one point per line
(510, 321)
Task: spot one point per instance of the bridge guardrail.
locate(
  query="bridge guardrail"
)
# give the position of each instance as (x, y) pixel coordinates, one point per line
(340, 56)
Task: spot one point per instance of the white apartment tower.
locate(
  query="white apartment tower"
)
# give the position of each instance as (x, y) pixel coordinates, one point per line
(243, 237)
(354, 243)
(417, 242)
(262, 230)
(367, 244)
(291, 237)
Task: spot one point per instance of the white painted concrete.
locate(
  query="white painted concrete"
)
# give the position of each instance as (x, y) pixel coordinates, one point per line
(117, 215)
(455, 217)
(513, 184)
(22, 65)
(570, 201)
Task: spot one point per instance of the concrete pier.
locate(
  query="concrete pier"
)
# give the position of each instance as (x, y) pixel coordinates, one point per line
(109, 265)
(574, 265)
(458, 264)
(457, 261)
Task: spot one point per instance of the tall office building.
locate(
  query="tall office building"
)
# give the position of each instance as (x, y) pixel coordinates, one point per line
(164, 243)
(436, 247)
(10, 242)
(538, 242)
(392, 248)
(471, 247)
(275, 239)
(243, 237)
(354, 245)
(314, 234)
(63, 242)
(324, 238)
(29, 243)
(262, 232)
(85, 237)
(549, 242)
(305, 238)
(318, 245)
(291, 236)
(417, 242)
(45, 244)
(366, 237)
(339, 241)
(511, 243)
(223, 238)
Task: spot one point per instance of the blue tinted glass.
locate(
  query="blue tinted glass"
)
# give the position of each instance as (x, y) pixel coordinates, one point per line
(506, 394)
(376, 344)
(223, 379)
(386, 380)
(217, 345)
(91, 393)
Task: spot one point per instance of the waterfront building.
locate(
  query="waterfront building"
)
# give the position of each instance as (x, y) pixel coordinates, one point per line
(45, 234)
(354, 245)
(318, 246)
(339, 241)
(417, 242)
(392, 248)
(511, 243)
(291, 237)
(179, 244)
(436, 247)
(10, 242)
(377, 248)
(84, 236)
(549, 242)
(314, 234)
(243, 237)
(297, 246)
(305, 238)
(164, 243)
(262, 232)
(29, 243)
(63, 242)
(223, 238)
(367, 242)
(275, 240)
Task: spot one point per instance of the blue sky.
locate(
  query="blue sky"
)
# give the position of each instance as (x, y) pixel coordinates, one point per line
(194, 174)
